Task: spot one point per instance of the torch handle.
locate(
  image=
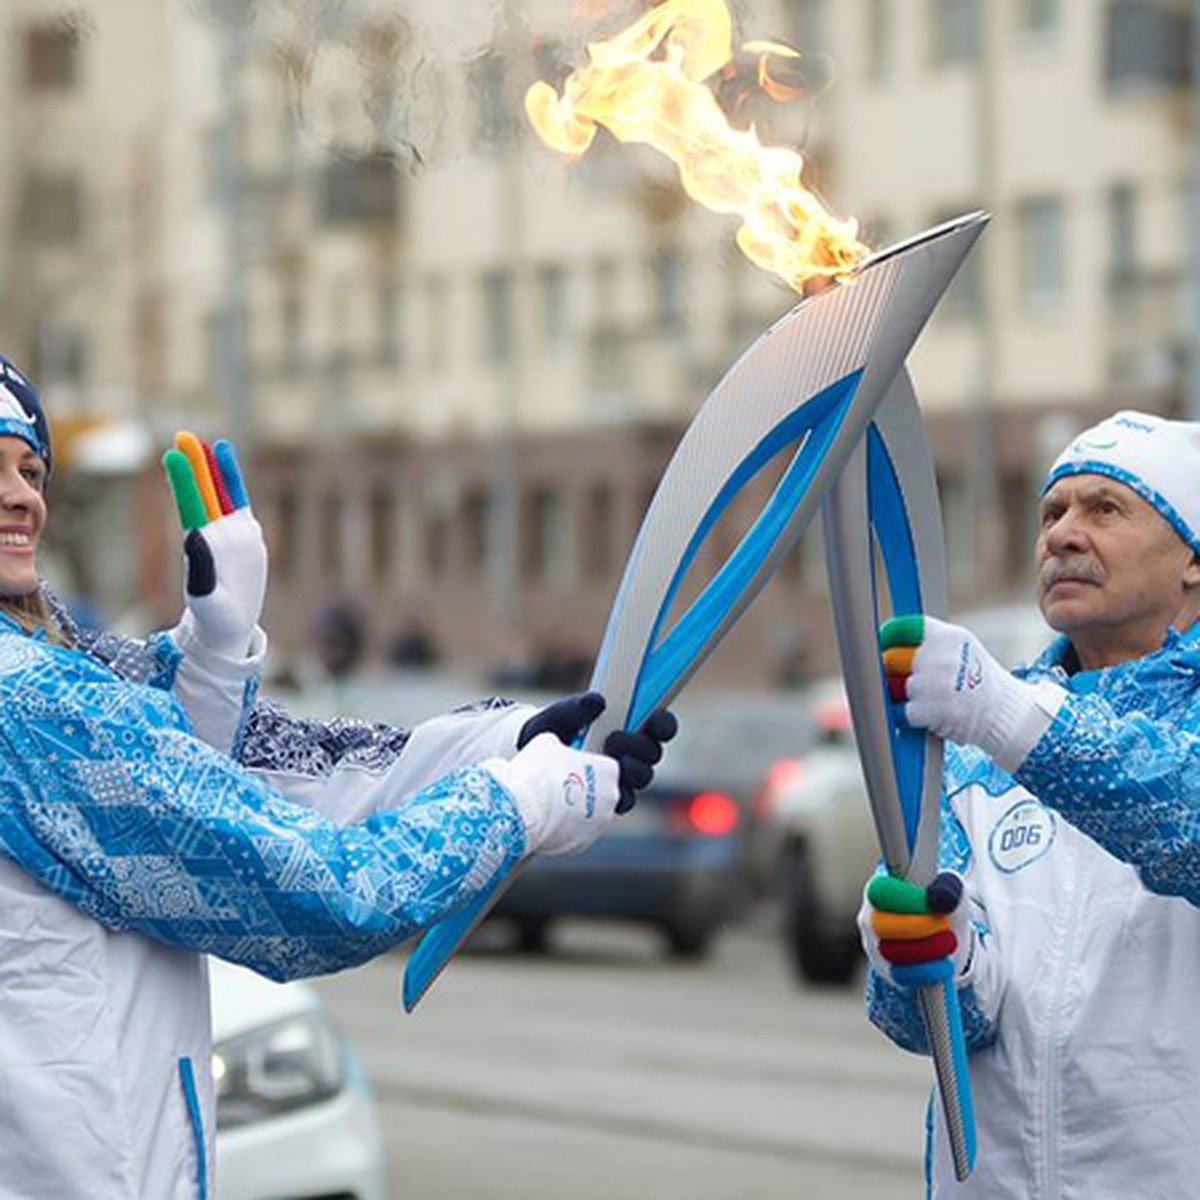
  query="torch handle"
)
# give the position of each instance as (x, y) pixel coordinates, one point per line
(886, 496)
(943, 1027)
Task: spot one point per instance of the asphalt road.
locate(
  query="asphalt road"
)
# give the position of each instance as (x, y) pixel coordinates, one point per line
(604, 1071)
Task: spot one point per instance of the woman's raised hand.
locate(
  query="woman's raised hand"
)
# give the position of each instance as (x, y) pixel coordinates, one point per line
(224, 552)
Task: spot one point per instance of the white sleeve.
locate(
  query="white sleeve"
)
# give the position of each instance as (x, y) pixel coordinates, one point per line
(353, 785)
(216, 692)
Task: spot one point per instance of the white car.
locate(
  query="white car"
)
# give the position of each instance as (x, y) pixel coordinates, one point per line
(827, 835)
(295, 1117)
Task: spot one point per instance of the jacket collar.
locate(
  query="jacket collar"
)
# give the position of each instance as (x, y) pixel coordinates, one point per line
(1161, 685)
(1179, 649)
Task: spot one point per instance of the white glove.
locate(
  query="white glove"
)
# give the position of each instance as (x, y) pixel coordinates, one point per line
(903, 937)
(224, 551)
(226, 616)
(957, 690)
(566, 797)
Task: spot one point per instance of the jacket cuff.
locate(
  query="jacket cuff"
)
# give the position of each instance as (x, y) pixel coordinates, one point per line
(216, 691)
(1024, 713)
(221, 668)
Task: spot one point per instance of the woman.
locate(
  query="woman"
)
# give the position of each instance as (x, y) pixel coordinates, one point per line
(129, 847)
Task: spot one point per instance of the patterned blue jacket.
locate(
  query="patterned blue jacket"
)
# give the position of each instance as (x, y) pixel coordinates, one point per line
(109, 800)
(1083, 872)
(127, 845)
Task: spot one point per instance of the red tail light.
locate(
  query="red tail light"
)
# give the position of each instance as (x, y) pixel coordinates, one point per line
(781, 774)
(784, 772)
(713, 814)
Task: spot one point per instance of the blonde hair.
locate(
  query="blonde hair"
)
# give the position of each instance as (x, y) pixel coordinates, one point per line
(32, 613)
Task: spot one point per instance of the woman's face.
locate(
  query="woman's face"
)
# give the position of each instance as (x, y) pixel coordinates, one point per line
(22, 516)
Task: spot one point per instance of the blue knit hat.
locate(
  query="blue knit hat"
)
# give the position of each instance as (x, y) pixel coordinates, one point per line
(21, 413)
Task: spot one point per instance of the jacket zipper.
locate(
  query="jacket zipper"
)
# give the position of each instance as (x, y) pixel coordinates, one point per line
(1052, 1086)
(187, 1078)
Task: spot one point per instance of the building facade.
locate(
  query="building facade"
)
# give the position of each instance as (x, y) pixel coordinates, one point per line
(461, 362)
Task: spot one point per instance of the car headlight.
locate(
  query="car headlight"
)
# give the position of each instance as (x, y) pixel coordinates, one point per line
(277, 1069)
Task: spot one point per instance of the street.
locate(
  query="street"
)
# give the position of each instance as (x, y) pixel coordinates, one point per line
(605, 1070)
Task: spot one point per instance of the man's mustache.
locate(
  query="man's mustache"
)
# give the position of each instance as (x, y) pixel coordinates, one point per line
(1077, 568)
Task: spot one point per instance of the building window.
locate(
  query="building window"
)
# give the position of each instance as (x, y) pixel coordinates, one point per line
(53, 211)
(285, 545)
(553, 307)
(340, 329)
(63, 353)
(493, 114)
(1040, 18)
(292, 333)
(1147, 44)
(599, 529)
(477, 514)
(1122, 241)
(381, 514)
(52, 56)
(962, 539)
(359, 191)
(498, 323)
(604, 291)
(437, 533)
(1041, 236)
(881, 39)
(331, 538)
(547, 546)
(808, 25)
(670, 285)
(476, 511)
(437, 314)
(390, 306)
(956, 26)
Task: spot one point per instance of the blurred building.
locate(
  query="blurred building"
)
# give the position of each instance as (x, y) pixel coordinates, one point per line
(462, 363)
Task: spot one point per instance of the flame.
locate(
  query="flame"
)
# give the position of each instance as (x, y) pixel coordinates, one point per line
(647, 84)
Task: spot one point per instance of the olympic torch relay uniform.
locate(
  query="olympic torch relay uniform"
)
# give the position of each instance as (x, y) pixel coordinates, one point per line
(127, 845)
(1080, 997)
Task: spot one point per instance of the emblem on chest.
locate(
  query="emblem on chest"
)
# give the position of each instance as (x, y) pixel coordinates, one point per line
(1021, 836)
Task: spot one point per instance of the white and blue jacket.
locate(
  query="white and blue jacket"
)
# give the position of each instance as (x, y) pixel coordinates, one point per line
(1080, 1000)
(129, 849)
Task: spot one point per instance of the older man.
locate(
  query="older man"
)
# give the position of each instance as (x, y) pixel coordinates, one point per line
(1072, 814)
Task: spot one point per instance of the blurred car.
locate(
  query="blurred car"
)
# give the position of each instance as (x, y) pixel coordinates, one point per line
(295, 1117)
(696, 847)
(827, 838)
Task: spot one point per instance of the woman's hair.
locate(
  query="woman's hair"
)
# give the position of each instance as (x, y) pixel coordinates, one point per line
(32, 612)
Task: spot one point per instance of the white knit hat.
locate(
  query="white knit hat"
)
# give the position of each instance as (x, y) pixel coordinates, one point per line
(1157, 458)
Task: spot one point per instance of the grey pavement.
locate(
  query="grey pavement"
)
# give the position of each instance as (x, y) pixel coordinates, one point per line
(605, 1069)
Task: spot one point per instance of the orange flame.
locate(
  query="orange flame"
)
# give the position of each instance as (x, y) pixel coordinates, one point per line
(647, 84)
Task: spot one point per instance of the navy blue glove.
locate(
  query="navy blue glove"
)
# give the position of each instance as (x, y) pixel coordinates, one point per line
(566, 719)
(636, 753)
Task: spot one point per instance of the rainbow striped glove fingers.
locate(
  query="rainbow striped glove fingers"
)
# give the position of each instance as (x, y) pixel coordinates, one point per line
(941, 678)
(225, 556)
(913, 935)
(899, 640)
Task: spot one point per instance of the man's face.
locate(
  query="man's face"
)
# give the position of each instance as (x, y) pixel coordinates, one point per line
(22, 516)
(1111, 571)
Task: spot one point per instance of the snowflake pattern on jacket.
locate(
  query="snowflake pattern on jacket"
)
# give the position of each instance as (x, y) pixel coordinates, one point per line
(1120, 762)
(109, 801)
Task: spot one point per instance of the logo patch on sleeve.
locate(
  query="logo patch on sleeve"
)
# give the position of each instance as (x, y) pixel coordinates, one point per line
(1021, 836)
